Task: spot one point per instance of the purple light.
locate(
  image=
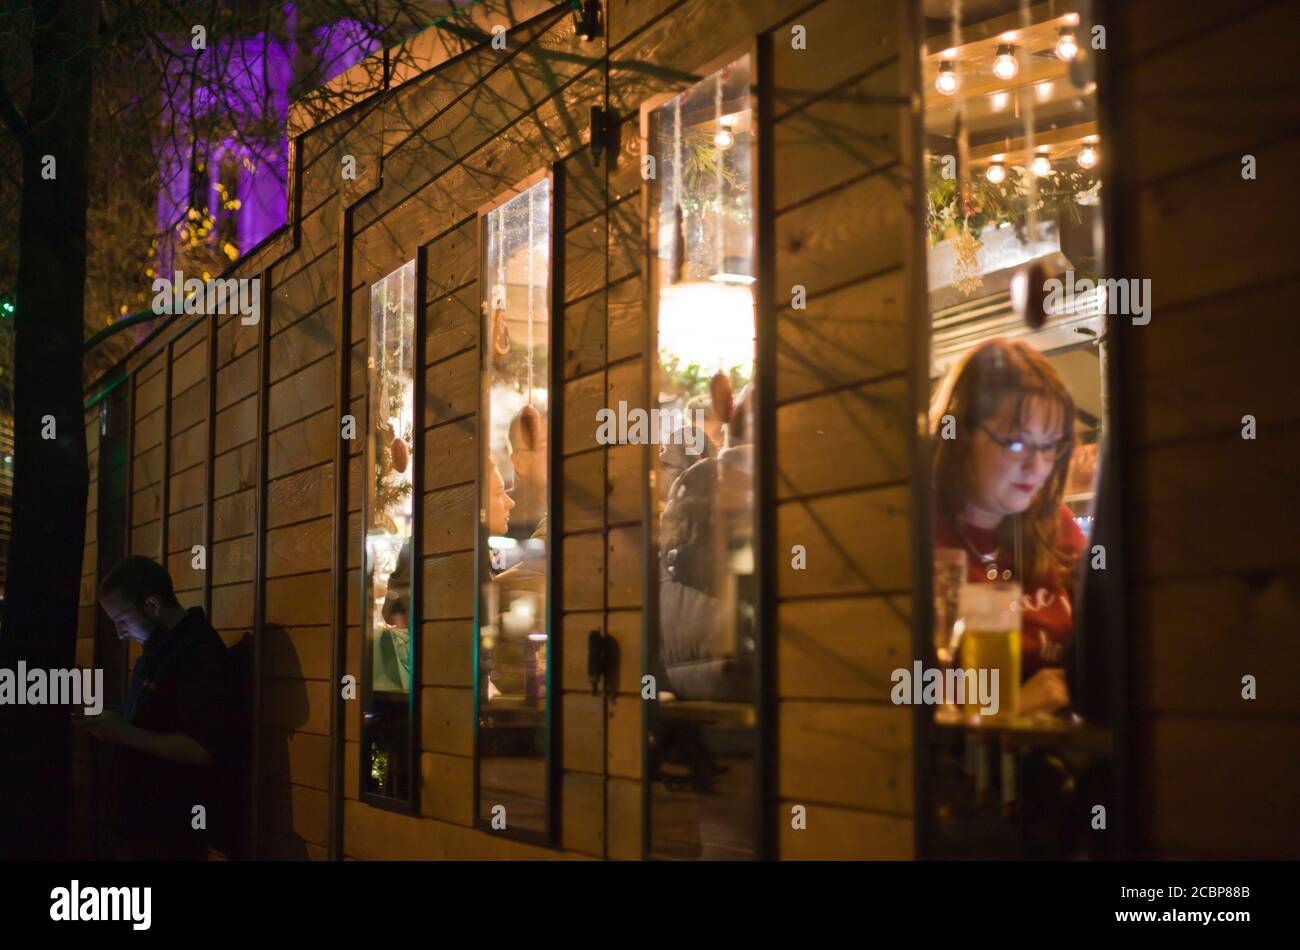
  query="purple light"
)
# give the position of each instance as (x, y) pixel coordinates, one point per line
(245, 81)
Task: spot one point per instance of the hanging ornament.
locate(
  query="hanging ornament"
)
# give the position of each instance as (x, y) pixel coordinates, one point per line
(400, 454)
(500, 334)
(679, 244)
(1028, 300)
(720, 393)
(966, 267)
(530, 425)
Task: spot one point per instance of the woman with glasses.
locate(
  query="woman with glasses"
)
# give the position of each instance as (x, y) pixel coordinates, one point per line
(1003, 428)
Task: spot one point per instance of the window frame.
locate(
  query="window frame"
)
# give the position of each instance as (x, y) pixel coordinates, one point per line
(1101, 605)
(409, 804)
(554, 410)
(759, 49)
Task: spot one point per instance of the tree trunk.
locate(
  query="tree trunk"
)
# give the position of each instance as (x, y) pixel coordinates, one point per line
(50, 475)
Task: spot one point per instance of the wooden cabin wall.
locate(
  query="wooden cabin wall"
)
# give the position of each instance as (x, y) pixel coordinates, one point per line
(1212, 516)
(187, 446)
(429, 154)
(481, 125)
(842, 184)
(843, 225)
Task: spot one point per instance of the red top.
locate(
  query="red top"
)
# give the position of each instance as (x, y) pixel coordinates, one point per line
(1047, 612)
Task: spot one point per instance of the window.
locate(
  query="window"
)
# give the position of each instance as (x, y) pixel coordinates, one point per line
(1019, 317)
(703, 594)
(389, 577)
(514, 577)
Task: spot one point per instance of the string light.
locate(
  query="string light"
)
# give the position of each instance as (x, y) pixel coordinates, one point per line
(725, 138)
(1041, 165)
(999, 101)
(996, 173)
(946, 82)
(1044, 91)
(1088, 155)
(1005, 65)
(1067, 46)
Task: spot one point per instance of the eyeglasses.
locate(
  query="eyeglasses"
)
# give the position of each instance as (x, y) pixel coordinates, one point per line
(1018, 450)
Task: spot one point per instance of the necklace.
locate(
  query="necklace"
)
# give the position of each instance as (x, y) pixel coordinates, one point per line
(990, 561)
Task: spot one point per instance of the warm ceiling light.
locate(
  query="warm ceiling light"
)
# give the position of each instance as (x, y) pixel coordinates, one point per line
(1088, 157)
(946, 82)
(1067, 47)
(999, 101)
(1041, 165)
(996, 173)
(1004, 63)
(1071, 18)
(1008, 37)
(724, 137)
(1043, 90)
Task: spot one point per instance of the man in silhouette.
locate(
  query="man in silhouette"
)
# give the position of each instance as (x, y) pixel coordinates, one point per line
(174, 722)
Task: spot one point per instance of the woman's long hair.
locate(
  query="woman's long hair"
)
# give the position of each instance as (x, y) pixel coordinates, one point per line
(974, 393)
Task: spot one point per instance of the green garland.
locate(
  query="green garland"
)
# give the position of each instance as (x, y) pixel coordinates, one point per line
(1007, 202)
(691, 380)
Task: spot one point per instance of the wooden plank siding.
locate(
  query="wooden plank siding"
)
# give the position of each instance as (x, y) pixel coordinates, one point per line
(449, 142)
(1211, 516)
(842, 434)
(432, 151)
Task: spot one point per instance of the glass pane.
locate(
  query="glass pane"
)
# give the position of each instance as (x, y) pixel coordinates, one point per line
(1018, 413)
(702, 726)
(513, 616)
(388, 518)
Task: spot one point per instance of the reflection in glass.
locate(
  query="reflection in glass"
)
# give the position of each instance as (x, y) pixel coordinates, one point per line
(513, 618)
(388, 519)
(702, 726)
(1018, 411)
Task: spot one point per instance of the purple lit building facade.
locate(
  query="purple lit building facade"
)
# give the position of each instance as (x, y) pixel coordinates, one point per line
(239, 100)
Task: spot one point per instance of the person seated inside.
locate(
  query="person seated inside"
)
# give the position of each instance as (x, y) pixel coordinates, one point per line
(392, 660)
(528, 459)
(516, 600)
(706, 635)
(1000, 467)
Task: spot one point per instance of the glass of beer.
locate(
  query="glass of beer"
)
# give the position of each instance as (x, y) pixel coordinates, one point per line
(990, 642)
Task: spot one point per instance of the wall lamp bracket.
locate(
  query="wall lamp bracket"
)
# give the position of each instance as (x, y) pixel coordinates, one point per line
(601, 126)
(588, 19)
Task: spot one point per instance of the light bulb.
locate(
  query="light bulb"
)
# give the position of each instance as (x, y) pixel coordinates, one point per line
(946, 82)
(1005, 65)
(1088, 157)
(1044, 91)
(999, 101)
(996, 173)
(1067, 47)
(1041, 165)
(724, 138)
